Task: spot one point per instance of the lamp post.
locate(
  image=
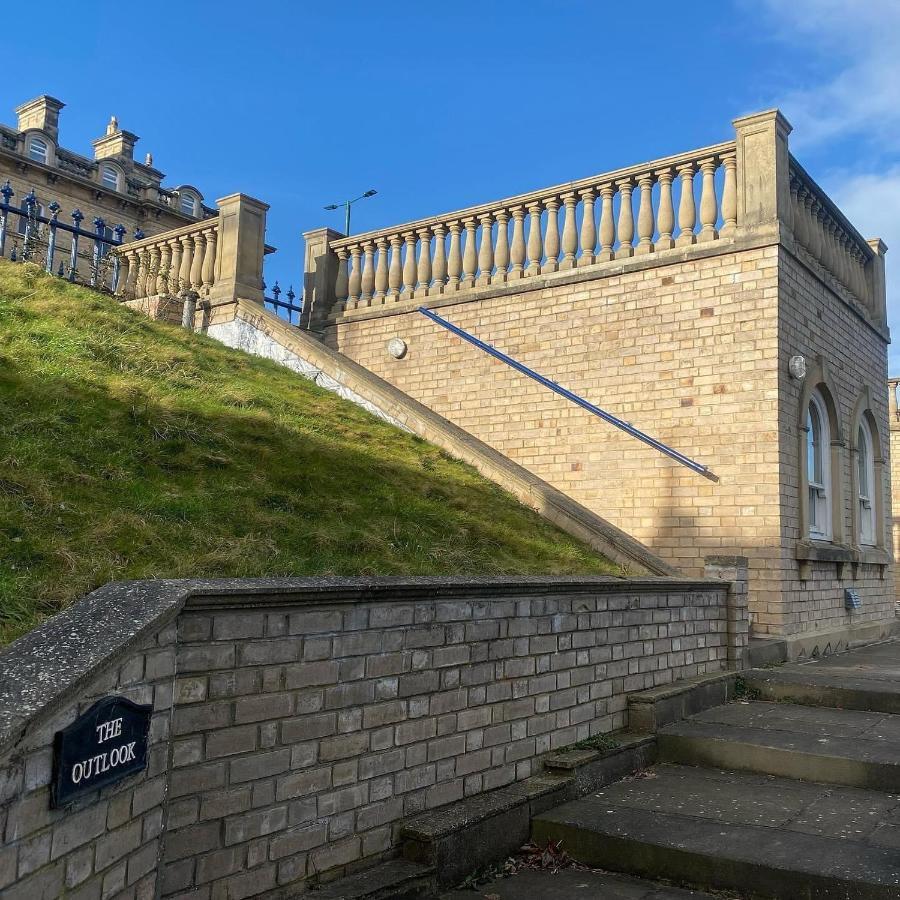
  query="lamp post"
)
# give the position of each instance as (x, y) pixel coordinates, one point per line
(347, 204)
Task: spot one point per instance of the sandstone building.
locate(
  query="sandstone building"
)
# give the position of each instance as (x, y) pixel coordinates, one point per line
(717, 300)
(112, 185)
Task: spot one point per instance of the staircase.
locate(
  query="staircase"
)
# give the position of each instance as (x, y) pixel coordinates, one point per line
(792, 793)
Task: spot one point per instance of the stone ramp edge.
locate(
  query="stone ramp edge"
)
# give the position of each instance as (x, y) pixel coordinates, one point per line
(359, 385)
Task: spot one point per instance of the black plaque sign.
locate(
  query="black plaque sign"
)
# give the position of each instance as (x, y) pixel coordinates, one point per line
(100, 747)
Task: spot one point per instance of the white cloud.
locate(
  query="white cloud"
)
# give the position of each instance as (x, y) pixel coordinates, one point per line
(859, 42)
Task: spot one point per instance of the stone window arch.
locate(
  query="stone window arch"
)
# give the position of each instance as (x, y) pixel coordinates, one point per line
(866, 475)
(820, 445)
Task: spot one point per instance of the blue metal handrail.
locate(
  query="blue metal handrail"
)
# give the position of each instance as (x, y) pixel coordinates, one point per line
(699, 468)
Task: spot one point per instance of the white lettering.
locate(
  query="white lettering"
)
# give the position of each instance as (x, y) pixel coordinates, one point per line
(103, 762)
(108, 730)
(114, 756)
(129, 750)
(77, 773)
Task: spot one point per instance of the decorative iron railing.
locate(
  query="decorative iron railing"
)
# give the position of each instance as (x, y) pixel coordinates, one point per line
(292, 309)
(39, 236)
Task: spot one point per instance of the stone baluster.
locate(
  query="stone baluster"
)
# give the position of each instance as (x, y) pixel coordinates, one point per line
(152, 287)
(517, 250)
(455, 259)
(687, 215)
(367, 289)
(815, 226)
(588, 229)
(130, 260)
(395, 270)
(645, 221)
(423, 270)
(187, 261)
(570, 232)
(175, 268)
(551, 238)
(439, 269)
(410, 269)
(163, 273)
(486, 249)
(209, 260)
(626, 220)
(709, 208)
(729, 197)
(381, 270)
(799, 216)
(342, 277)
(607, 223)
(123, 273)
(354, 283)
(859, 272)
(470, 257)
(197, 262)
(666, 215)
(501, 252)
(535, 241)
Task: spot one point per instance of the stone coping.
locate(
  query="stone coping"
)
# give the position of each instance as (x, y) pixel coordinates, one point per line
(44, 668)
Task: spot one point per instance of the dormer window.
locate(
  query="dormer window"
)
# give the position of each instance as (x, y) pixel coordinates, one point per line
(37, 150)
(110, 178)
(189, 204)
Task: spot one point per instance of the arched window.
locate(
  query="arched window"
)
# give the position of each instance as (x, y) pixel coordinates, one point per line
(110, 176)
(37, 149)
(189, 204)
(818, 468)
(866, 486)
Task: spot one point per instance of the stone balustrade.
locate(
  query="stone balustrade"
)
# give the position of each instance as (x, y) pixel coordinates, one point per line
(828, 237)
(681, 200)
(176, 263)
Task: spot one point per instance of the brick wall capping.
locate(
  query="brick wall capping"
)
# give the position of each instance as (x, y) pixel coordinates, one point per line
(46, 667)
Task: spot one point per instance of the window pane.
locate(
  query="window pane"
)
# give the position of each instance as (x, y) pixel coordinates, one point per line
(814, 446)
(863, 459)
(110, 176)
(38, 150)
(187, 204)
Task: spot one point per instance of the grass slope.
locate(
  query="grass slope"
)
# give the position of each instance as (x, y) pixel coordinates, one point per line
(132, 449)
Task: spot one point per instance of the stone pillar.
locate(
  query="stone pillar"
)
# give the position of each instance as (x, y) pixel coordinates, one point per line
(875, 277)
(763, 180)
(240, 250)
(733, 569)
(320, 269)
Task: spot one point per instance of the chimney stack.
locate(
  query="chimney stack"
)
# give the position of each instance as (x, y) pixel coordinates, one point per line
(42, 113)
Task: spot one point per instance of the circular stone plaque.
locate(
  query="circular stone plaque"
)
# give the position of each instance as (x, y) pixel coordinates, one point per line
(397, 347)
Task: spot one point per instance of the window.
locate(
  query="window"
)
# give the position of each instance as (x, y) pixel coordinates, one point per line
(23, 219)
(110, 178)
(865, 484)
(818, 468)
(188, 204)
(37, 150)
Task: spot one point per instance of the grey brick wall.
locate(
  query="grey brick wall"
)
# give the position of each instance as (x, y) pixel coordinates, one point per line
(107, 843)
(301, 738)
(297, 722)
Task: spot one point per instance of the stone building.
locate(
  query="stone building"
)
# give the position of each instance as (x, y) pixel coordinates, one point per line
(719, 301)
(112, 185)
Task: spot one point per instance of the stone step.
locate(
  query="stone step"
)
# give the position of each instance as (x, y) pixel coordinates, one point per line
(396, 879)
(766, 836)
(864, 679)
(849, 747)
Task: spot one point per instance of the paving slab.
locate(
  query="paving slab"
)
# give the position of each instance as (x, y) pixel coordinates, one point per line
(571, 884)
(730, 830)
(849, 747)
(867, 678)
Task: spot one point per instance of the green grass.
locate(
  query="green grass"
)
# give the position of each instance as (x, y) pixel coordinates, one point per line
(133, 449)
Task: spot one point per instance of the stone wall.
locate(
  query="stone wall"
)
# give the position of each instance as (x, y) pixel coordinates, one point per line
(310, 716)
(681, 347)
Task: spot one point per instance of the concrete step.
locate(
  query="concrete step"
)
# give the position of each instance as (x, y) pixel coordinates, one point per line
(736, 831)
(858, 749)
(396, 879)
(864, 679)
(568, 884)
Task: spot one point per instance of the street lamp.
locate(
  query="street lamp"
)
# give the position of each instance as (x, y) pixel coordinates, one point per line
(346, 204)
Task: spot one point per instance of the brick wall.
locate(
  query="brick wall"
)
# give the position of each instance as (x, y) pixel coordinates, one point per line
(684, 351)
(105, 844)
(297, 722)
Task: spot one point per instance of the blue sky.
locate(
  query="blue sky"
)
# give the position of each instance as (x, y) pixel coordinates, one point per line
(441, 106)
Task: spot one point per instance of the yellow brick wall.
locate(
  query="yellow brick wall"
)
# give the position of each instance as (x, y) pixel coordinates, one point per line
(694, 353)
(682, 351)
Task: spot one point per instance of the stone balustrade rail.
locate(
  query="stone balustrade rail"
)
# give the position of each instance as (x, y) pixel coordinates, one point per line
(177, 262)
(828, 237)
(680, 200)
